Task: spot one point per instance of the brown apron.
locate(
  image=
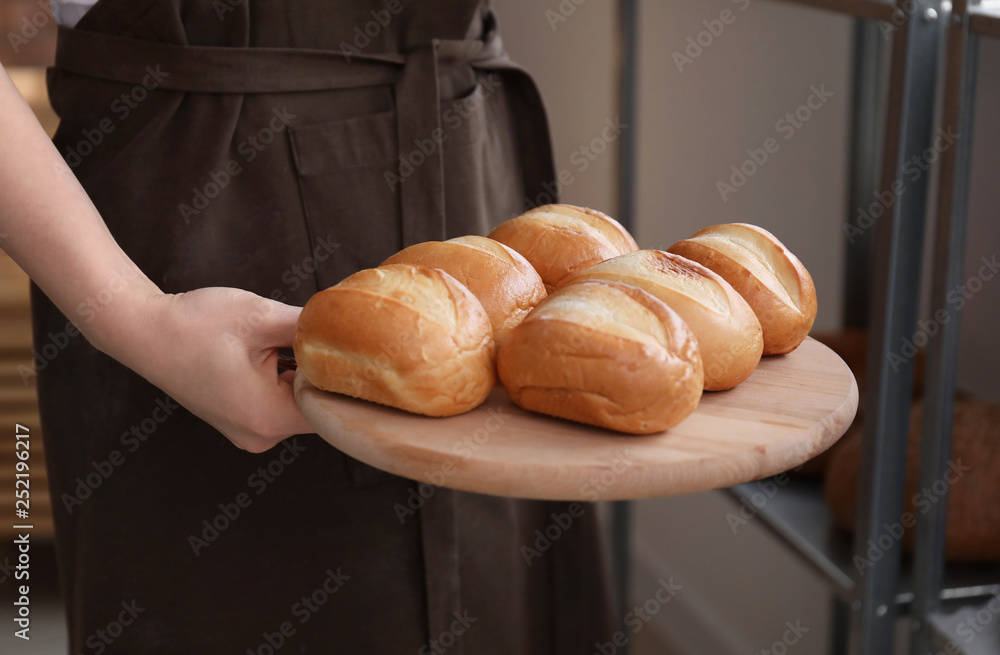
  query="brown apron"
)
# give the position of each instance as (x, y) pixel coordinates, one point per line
(278, 146)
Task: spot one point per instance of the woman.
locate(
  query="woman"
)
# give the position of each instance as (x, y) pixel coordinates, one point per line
(273, 147)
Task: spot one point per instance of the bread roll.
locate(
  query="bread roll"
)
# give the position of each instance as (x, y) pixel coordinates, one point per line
(410, 337)
(606, 354)
(972, 482)
(727, 330)
(503, 281)
(763, 271)
(560, 240)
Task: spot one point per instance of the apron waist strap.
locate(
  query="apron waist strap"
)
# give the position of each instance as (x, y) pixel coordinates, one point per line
(249, 70)
(213, 69)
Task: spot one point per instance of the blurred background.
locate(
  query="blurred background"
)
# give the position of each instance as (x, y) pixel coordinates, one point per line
(697, 114)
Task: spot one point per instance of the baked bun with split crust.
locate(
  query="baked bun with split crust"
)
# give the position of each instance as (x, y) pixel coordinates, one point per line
(762, 270)
(503, 281)
(726, 328)
(560, 240)
(606, 354)
(406, 336)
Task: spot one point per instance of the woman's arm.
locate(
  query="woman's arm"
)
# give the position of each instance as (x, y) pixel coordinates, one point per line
(193, 345)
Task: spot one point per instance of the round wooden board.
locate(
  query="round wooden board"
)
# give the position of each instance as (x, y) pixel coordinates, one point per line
(791, 409)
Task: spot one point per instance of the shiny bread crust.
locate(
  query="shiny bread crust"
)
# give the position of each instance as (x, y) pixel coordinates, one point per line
(605, 354)
(725, 326)
(561, 240)
(409, 337)
(504, 282)
(770, 278)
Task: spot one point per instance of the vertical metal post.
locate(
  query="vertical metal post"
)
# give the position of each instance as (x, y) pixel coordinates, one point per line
(867, 126)
(628, 75)
(899, 239)
(621, 511)
(942, 350)
(840, 617)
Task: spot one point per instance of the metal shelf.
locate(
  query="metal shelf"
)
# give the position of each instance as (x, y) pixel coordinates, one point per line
(871, 9)
(970, 630)
(798, 515)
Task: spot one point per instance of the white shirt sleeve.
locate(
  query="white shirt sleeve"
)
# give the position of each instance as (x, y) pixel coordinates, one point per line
(69, 12)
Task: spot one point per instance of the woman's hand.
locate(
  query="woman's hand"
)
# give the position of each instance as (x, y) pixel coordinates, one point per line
(215, 351)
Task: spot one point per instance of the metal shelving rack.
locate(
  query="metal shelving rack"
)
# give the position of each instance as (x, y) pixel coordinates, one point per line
(932, 35)
(894, 106)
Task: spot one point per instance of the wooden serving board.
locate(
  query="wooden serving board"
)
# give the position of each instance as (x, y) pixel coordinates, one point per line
(791, 409)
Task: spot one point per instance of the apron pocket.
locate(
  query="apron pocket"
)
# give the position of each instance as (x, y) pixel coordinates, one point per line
(346, 200)
(346, 196)
(482, 172)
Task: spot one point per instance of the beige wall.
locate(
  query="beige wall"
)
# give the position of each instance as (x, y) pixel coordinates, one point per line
(697, 122)
(574, 62)
(979, 355)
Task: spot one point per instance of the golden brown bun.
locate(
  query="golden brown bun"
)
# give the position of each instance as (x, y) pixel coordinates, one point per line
(725, 326)
(410, 337)
(763, 271)
(606, 354)
(503, 281)
(560, 240)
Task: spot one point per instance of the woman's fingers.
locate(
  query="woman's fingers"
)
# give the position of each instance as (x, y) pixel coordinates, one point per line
(216, 349)
(276, 323)
(275, 416)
